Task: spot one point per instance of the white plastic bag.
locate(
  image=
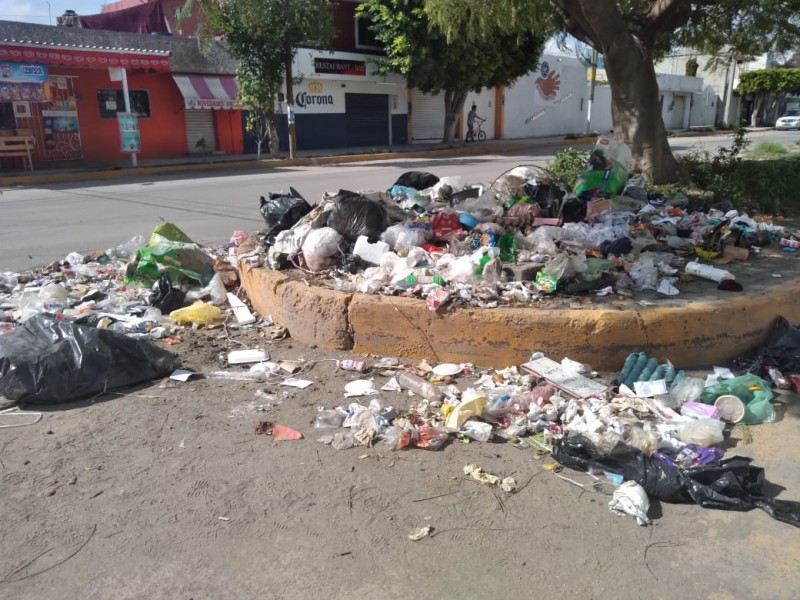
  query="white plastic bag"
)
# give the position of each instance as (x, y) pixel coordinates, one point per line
(320, 248)
(631, 499)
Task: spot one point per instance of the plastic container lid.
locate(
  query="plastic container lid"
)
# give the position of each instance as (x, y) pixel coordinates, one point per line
(467, 220)
(731, 408)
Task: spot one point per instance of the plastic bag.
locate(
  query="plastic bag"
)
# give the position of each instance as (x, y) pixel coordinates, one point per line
(321, 247)
(781, 350)
(607, 169)
(631, 499)
(215, 291)
(750, 389)
(543, 240)
(732, 485)
(644, 273)
(45, 361)
(200, 313)
(282, 212)
(419, 180)
(703, 432)
(353, 216)
(165, 297)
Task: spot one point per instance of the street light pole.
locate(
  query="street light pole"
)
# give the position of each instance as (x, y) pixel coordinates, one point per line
(592, 80)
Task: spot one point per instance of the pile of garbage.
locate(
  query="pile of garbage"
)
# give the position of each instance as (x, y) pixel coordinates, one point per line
(523, 237)
(652, 432)
(83, 326)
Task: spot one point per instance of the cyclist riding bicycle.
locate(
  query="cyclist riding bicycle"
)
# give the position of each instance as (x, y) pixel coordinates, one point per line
(472, 116)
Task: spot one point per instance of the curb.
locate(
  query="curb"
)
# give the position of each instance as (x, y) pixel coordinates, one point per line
(110, 174)
(698, 335)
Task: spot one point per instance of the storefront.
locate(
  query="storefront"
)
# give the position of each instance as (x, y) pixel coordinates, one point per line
(65, 101)
(211, 116)
(341, 103)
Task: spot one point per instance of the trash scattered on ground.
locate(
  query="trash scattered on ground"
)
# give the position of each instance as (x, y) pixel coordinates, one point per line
(507, 484)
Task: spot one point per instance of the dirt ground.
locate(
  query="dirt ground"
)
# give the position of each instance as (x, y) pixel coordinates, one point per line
(164, 491)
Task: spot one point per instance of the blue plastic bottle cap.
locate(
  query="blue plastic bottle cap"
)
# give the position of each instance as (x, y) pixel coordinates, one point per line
(467, 220)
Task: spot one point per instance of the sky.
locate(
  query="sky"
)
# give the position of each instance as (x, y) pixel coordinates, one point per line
(41, 11)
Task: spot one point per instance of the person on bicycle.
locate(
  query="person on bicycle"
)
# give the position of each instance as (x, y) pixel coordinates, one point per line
(471, 116)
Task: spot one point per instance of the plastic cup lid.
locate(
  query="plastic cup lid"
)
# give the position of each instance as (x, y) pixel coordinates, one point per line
(731, 408)
(446, 370)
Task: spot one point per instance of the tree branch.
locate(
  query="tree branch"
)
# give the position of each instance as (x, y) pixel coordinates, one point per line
(668, 15)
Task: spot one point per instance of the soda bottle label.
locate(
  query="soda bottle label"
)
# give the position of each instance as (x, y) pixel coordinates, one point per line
(359, 366)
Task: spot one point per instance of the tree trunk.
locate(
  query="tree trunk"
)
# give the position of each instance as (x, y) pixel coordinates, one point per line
(274, 140)
(755, 117)
(453, 105)
(636, 109)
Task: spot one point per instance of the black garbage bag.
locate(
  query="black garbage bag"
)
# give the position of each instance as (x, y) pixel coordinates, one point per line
(419, 180)
(165, 297)
(574, 210)
(282, 211)
(353, 215)
(782, 351)
(733, 484)
(619, 247)
(45, 361)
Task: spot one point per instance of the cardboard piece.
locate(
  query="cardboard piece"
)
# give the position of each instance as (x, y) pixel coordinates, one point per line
(570, 383)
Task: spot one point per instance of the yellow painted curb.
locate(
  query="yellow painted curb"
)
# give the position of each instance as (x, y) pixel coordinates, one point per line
(695, 335)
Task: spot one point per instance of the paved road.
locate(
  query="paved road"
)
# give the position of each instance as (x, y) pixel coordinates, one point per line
(45, 223)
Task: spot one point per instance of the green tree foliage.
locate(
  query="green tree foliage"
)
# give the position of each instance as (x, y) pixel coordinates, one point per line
(431, 63)
(770, 81)
(263, 35)
(630, 34)
(769, 88)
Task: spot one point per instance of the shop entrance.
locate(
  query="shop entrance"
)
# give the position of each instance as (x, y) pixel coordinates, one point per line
(366, 119)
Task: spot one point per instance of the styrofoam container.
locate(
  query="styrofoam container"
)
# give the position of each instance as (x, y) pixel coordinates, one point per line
(731, 408)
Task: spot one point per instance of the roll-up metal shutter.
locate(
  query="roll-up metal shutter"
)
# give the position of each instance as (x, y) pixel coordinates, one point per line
(200, 125)
(366, 119)
(427, 117)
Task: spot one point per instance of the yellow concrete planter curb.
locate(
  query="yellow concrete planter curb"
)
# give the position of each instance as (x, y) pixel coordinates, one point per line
(696, 335)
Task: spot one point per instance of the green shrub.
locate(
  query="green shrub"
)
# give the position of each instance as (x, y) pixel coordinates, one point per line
(567, 165)
(769, 185)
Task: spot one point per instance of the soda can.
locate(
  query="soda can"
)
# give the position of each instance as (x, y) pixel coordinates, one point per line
(359, 366)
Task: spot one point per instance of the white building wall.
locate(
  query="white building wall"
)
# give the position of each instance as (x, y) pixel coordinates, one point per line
(602, 120)
(547, 101)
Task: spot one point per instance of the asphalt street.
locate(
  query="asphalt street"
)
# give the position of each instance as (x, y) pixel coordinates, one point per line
(44, 223)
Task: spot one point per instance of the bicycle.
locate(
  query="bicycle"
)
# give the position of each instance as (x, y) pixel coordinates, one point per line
(476, 132)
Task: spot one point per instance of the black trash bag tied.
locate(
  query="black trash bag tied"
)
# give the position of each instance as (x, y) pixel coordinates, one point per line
(45, 361)
(166, 298)
(282, 212)
(733, 484)
(353, 215)
(419, 180)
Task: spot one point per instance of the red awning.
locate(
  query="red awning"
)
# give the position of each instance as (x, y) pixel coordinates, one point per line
(90, 59)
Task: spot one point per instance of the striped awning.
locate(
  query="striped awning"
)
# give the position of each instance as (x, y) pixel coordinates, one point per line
(216, 92)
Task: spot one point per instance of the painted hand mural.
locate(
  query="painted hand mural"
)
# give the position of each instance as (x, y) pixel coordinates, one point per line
(548, 85)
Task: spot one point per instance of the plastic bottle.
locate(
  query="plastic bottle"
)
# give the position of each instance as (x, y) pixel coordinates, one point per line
(708, 272)
(420, 387)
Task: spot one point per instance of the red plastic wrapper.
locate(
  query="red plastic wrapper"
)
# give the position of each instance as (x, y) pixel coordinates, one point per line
(445, 225)
(437, 299)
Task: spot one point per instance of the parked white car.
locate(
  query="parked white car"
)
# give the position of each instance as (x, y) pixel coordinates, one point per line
(789, 120)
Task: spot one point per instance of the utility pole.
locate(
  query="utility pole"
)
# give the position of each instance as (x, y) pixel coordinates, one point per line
(592, 81)
(126, 95)
(290, 105)
(726, 117)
